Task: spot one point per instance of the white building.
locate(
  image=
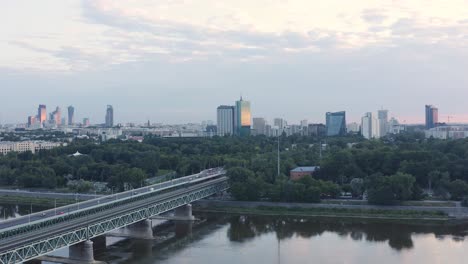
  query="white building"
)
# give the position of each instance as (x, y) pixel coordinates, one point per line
(394, 127)
(32, 146)
(225, 120)
(448, 132)
(369, 126)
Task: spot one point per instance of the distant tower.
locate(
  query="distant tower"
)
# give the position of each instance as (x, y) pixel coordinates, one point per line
(336, 123)
(383, 122)
(242, 118)
(225, 120)
(432, 116)
(58, 116)
(71, 115)
(86, 122)
(41, 114)
(109, 116)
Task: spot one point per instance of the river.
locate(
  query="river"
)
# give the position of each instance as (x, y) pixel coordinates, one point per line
(233, 239)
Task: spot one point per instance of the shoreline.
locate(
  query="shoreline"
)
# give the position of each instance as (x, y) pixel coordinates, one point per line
(425, 215)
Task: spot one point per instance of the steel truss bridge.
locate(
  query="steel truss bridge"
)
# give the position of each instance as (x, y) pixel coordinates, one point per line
(24, 240)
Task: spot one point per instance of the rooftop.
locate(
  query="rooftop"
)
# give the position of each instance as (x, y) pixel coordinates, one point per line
(306, 169)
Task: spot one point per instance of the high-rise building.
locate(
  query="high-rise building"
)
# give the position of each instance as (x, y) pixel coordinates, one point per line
(353, 127)
(71, 115)
(317, 130)
(280, 123)
(109, 116)
(243, 117)
(55, 117)
(41, 114)
(336, 123)
(259, 124)
(31, 121)
(432, 116)
(383, 122)
(369, 126)
(225, 120)
(58, 116)
(86, 122)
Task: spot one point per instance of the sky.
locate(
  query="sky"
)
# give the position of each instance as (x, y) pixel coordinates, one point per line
(175, 61)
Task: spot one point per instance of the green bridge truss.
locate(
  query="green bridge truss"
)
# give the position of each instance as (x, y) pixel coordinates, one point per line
(68, 238)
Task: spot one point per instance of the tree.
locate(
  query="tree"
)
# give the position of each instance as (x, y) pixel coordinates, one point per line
(458, 189)
(402, 185)
(357, 186)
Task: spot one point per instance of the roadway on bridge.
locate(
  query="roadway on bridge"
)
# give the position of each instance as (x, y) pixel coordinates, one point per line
(13, 222)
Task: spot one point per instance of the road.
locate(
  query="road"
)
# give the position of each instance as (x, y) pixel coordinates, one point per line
(40, 216)
(22, 239)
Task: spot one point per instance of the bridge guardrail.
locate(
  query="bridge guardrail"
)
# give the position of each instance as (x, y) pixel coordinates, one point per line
(57, 219)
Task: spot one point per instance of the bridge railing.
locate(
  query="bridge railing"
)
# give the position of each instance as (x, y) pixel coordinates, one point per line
(79, 230)
(111, 203)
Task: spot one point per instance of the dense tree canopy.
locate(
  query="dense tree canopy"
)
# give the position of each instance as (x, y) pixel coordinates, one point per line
(396, 168)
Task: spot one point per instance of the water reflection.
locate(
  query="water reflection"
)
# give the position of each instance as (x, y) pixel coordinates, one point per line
(399, 236)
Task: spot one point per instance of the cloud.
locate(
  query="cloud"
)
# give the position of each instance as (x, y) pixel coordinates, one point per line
(374, 16)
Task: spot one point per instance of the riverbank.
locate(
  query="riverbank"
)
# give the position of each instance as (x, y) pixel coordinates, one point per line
(405, 214)
(48, 202)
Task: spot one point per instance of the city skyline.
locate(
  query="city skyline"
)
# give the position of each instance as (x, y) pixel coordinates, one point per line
(100, 118)
(355, 57)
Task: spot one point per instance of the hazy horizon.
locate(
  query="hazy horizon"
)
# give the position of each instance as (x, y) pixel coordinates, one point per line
(174, 61)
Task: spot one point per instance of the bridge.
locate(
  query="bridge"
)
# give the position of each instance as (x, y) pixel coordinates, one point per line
(28, 237)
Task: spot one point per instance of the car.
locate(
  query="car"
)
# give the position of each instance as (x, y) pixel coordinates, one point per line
(135, 193)
(43, 214)
(151, 189)
(60, 213)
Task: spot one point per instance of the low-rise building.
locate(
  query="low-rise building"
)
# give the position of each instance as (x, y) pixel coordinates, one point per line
(24, 146)
(301, 172)
(448, 132)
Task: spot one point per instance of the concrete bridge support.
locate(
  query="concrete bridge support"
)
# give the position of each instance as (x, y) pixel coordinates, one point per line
(184, 213)
(142, 229)
(82, 252)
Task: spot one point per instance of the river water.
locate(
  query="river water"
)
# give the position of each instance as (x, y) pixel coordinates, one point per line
(233, 239)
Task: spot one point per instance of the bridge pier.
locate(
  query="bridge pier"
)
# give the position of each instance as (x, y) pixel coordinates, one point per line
(184, 213)
(82, 252)
(142, 229)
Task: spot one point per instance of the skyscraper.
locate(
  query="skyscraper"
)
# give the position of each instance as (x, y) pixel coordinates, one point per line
(85, 122)
(369, 126)
(432, 116)
(336, 123)
(383, 122)
(243, 117)
(58, 116)
(259, 124)
(71, 115)
(225, 120)
(109, 116)
(41, 114)
(31, 121)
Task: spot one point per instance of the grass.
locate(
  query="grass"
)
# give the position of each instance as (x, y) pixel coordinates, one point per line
(333, 212)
